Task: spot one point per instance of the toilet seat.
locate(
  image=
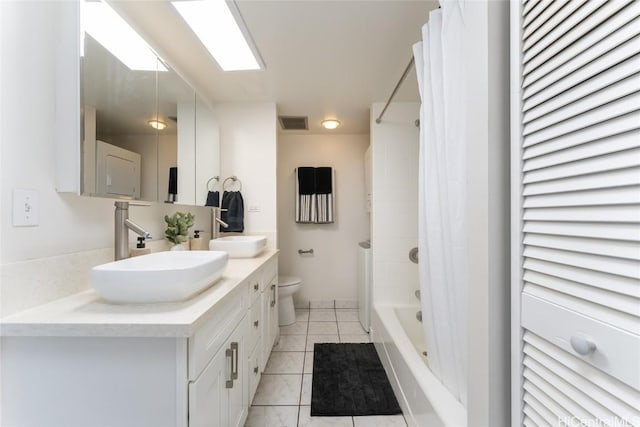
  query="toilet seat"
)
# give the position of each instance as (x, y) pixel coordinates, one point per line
(284, 281)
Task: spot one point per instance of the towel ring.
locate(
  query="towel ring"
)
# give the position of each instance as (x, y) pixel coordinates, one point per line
(233, 179)
(216, 179)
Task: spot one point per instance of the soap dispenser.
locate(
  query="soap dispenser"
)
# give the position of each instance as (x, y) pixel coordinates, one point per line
(140, 248)
(198, 242)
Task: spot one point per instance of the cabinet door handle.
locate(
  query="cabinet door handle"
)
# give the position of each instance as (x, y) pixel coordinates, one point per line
(256, 287)
(255, 370)
(234, 366)
(229, 353)
(273, 294)
(256, 323)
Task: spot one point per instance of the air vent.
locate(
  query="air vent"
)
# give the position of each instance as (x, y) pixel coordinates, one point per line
(294, 122)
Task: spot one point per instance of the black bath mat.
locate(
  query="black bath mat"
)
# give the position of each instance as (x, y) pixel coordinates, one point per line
(349, 380)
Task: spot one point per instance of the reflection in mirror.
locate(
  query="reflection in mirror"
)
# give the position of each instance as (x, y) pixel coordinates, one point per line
(201, 160)
(173, 92)
(115, 102)
(118, 105)
(207, 153)
(122, 155)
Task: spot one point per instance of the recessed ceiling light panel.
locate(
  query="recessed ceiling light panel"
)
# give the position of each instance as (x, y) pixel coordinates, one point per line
(220, 28)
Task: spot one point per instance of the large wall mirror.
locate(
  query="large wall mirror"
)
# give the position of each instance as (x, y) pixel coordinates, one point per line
(123, 154)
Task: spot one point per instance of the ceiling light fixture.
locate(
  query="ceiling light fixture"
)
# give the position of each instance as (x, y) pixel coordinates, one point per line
(219, 26)
(330, 124)
(102, 23)
(157, 124)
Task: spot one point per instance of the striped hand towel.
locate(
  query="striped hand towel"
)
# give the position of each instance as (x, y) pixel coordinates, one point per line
(314, 195)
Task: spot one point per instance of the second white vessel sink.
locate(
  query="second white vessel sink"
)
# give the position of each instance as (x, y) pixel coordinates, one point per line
(239, 246)
(158, 277)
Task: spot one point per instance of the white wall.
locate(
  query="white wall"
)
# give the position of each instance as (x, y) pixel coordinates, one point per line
(330, 273)
(395, 145)
(74, 233)
(248, 151)
(488, 342)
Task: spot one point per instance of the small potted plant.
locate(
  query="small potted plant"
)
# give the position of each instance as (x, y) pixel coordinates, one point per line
(177, 231)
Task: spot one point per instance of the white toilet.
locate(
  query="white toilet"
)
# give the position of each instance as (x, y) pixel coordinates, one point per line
(287, 286)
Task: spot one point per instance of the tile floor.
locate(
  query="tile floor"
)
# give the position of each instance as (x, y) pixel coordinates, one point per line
(283, 398)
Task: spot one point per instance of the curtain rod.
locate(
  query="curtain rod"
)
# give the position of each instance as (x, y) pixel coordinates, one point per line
(404, 75)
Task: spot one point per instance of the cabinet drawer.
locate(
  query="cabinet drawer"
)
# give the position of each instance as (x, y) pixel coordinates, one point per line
(255, 325)
(254, 285)
(253, 370)
(210, 337)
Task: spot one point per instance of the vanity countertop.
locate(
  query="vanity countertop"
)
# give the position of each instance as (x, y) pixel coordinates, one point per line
(86, 314)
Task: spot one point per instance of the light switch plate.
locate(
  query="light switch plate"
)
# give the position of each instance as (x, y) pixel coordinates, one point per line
(25, 208)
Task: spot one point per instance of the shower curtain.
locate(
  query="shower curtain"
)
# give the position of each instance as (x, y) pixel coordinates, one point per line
(442, 191)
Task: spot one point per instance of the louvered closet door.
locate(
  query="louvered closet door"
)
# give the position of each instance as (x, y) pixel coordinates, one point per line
(576, 142)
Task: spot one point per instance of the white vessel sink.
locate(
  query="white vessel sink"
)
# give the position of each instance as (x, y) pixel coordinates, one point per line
(158, 277)
(239, 246)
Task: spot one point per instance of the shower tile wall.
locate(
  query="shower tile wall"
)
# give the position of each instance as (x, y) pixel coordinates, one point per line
(395, 202)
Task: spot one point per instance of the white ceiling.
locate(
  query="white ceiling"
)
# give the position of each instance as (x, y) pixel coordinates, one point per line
(324, 58)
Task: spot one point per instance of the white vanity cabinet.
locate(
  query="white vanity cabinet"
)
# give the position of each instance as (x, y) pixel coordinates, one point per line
(81, 361)
(263, 322)
(219, 396)
(254, 353)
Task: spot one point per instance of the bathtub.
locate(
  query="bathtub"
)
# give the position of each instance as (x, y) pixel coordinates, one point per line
(400, 343)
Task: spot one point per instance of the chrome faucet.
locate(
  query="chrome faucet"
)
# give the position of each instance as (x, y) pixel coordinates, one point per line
(215, 220)
(122, 226)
